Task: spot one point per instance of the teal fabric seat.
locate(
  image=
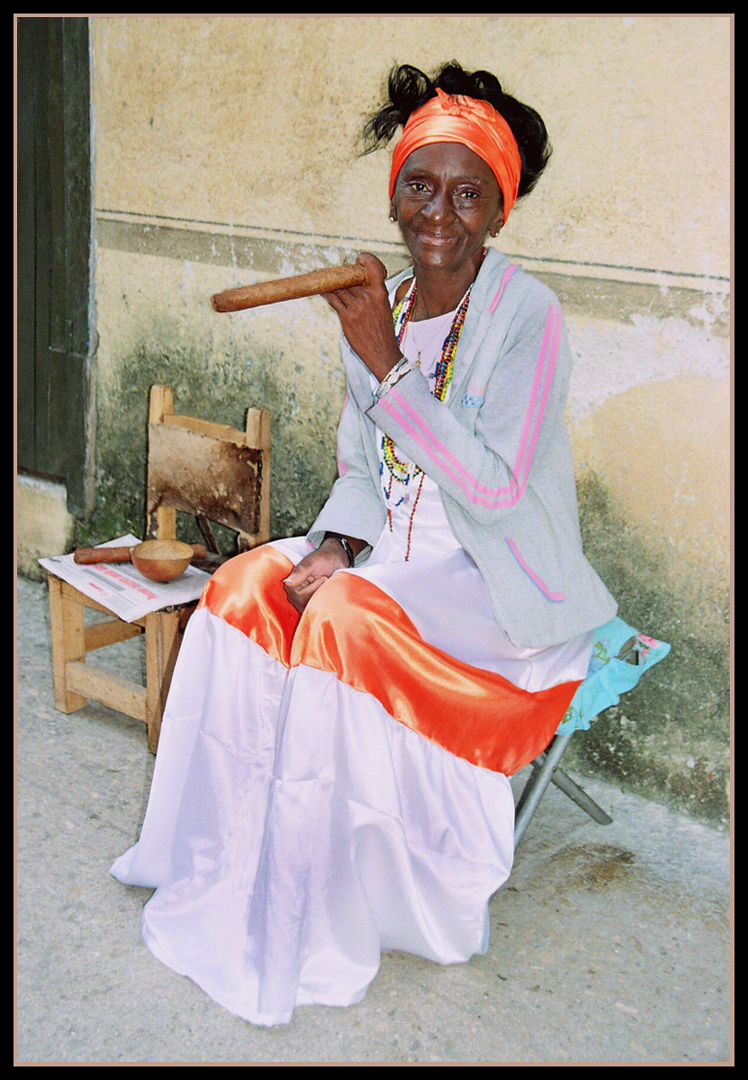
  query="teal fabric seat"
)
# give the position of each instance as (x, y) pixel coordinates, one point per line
(620, 657)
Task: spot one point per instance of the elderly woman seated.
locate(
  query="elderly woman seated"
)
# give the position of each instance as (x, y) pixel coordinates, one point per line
(332, 778)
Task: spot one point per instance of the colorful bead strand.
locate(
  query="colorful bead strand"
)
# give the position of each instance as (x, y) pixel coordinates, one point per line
(403, 472)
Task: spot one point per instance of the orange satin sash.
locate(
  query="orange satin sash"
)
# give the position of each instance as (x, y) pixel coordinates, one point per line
(355, 631)
(247, 592)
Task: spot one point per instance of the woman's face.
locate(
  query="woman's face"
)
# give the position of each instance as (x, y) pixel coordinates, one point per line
(446, 200)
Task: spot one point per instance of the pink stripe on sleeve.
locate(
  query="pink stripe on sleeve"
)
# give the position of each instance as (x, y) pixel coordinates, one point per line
(342, 467)
(551, 339)
(556, 596)
(504, 282)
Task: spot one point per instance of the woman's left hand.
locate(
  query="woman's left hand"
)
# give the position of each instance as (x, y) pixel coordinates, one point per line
(366, 318)
(312, 572)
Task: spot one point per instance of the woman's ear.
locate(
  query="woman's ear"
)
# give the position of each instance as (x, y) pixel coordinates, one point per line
(497, 224)
(393, 212)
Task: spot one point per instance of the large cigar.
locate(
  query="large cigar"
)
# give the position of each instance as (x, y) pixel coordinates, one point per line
(291, 288)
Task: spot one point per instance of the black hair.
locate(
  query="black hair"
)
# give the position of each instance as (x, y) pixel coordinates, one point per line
(409, 88)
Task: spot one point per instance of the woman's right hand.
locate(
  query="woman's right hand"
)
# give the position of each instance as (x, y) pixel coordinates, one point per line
(366, 318)
(313, 571)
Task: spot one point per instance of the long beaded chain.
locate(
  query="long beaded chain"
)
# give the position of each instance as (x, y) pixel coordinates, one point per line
(405, 471)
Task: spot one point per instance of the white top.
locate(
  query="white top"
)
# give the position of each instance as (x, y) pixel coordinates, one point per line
(442, 589)
(415, 503)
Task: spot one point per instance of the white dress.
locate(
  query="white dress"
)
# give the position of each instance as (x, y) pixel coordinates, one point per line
(300, 822)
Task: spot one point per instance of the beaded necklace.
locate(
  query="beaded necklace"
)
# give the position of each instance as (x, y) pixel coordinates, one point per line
(403, 472)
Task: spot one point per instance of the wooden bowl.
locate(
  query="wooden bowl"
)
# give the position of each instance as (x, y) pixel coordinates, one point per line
(161, 560)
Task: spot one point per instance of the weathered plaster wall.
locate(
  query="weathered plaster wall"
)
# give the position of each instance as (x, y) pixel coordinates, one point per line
(226, 151)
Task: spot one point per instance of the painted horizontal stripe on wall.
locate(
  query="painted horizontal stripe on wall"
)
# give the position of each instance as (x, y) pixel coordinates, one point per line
(605, 290)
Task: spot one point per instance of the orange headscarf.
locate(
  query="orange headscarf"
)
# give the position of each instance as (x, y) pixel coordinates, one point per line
(472, 122)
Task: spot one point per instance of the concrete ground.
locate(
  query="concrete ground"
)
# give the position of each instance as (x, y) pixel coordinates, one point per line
(609, 944)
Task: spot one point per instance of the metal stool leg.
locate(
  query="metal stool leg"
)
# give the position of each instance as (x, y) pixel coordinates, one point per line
(580, 797)
(535, 787)
(545, 770)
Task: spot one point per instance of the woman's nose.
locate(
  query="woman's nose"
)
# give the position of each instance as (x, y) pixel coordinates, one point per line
(437, 209)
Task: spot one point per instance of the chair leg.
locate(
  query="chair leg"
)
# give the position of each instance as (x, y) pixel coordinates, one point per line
(580, 797)
(68, 643)
(162, 640)
(545, 770)
(71, 640)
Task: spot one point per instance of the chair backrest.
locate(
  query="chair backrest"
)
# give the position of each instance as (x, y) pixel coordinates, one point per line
(217, 473)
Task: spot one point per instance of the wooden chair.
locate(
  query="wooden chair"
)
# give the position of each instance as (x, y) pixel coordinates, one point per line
(217, 474)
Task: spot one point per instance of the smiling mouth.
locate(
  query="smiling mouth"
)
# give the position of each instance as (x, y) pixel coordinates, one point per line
(431, 238)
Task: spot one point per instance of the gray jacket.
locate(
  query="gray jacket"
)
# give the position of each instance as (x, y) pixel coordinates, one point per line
(499, 452)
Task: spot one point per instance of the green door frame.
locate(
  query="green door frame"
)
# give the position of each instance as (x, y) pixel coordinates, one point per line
(55, 340)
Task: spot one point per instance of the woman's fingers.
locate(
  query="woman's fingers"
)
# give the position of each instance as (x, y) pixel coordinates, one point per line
(366, 318)
(312, 572)
(376, 271)
(376, 275)
(300, 595)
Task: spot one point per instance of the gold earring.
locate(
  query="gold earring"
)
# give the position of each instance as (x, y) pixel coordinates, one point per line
(393, 216)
